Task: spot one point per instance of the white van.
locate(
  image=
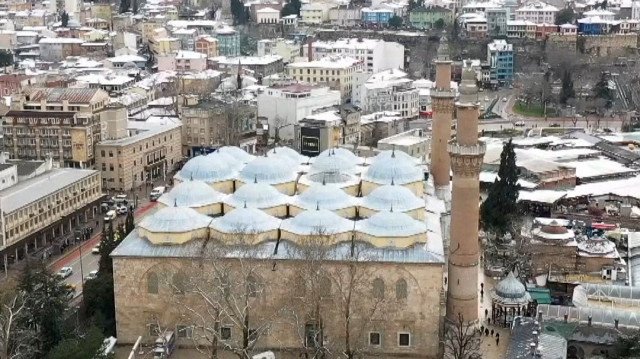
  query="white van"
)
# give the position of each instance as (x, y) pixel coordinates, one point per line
(156, 193)
(111, 215)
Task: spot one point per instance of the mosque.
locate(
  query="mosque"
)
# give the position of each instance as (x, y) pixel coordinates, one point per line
(378, 225)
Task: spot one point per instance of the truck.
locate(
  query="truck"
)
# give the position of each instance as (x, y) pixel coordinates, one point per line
(156, 193)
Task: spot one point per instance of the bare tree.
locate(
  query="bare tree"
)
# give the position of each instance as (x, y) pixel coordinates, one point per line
(15, 342)
(461, 340)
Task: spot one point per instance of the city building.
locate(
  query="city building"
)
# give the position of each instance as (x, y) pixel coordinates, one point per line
(314, 13)
(118, 62)
(381, 16)
(375, 55)
(344, 15)
(522, 29)
(228, 41)
(186, 37)
(335, 71)
(324, 130)
(207, 45)
(162, 46)
(537, 12)
(14, 83)
(59, 48)
(41, 206)
(261, 66)
(284, 106)
(267, 15)
(413, 142)
(183, 61)
(287, 49)
(389, 90)
(500, 58)
(134, 152)
(497, 21)
(63, 123)
(430, 17)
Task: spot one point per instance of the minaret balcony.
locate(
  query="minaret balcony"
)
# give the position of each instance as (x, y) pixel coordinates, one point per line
(457, 149)
(442, 93)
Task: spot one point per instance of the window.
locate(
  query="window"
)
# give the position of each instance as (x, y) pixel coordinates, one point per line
(110, 153)
(102, 153)
(401, 289)
(184, 331)
(152, 283)
(252, 286)
(179, 283)
(225, 333)
(378, 288)
(374, 339)
(404, 339)
(313, 335)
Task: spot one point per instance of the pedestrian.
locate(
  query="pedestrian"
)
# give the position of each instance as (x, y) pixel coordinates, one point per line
(486, 332)
(482, 329)
(481, 285)
(491, 332)
(481, 293)
(489, 321)
(486, 313)
(497, 340)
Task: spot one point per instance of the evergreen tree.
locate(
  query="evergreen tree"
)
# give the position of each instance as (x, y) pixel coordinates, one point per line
(89, 346)
(46, 298)
(567, 91)
(627, 346)
(129, 223)
(99, 303)
(239, 13)
(64, 19)
(395, 21)
(125, 5)
(107, 245)
(291, 8)
(603, 91)
(134, 6)
(6, 58)
(565, 16)
(500, 208)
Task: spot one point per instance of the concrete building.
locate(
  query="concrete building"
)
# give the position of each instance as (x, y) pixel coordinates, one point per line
(59, 48)
(344, 15)
(389, 90)
(314, 13)
(442, 108)
(414, 143)
(378, 16)
(14, 83)
(287, 49)
(134, 152)
(428, 17)
(285, 106)
(375, 55)
(261, 66)
(537, 12)
(466, 162)
(164, 45)
(228, 41)
(335, 71)
(267, 15)
(207, 45)
(500, 59)
(497, 21)
(41, 207)
(183, 61)
(324, 130)
(61, 122)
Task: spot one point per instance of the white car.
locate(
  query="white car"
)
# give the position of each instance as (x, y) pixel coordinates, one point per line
(504, 99)
(92, 275)
(520, 124)
(96, 249)
(122, 210)
(65, 272)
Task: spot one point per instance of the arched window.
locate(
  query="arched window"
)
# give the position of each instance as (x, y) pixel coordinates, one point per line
(152, 283)
(179, 283)
(252, 286)
(401, 289)
(378, 288)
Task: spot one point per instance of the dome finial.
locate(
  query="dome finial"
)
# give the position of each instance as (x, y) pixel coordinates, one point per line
(245, 204)
(333, 151)
(317, 205)
(393, 151)
(192, 176)
(324, 179)
(255, 178)
(393, 183)
(175, 202)
(391, 210)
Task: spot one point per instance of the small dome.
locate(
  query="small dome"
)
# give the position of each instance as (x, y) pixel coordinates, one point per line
(317, 222)
(245, 220)
(331, 163)
(191, 194)
(268, 170)
(510, 287)
(225, 158)
(288, 154)
(237, 153)
(397, 169)
(385, 197)
(554, 228)
(344, 153)
(256, 195)
(203, 168)
(325, 196)
(174, 220)
(391, 224)
(597, 246)
(393, 154)
(331, 177)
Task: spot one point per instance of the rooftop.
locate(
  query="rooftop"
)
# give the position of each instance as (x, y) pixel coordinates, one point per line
(335, 62)
(72, 95)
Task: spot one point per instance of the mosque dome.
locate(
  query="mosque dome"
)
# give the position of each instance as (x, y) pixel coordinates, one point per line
(225, 158)
(391, 224)
(317, 222)
(597, 246)
(288, 154)
(270, 170)
(344, 153)
(553, 231)
(394, 168)
(256, 195)
(245, 220)
(203, 168)
(191, 194)
(326, 196)
(174, 219)
(236, 153)
(399, 198)
(395, 155)
(510, 287)
(327, 162)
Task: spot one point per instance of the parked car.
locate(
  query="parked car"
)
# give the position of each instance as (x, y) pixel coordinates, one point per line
(122, 210)
(92, 275)
(504, 99)
(519, 124)
(120, 199)
(96, 249)
(65, 272)
(156, 193)
(111, 215)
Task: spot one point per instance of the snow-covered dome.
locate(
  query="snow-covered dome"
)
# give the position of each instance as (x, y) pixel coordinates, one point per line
(393, 154)
(245, 220)
(385, 197)
(271, 170)
(597, 246)
(174, 219)
(317, 222)
(332, 163)
(325, 196)
(553, 231)
(341, 152)
(391, 224)
(191, 194)
(510, 287)
(331, 177)
(393, 168)
(287, 154)
(256, 195)
(203, 168)
(225, 158)
(237, 153)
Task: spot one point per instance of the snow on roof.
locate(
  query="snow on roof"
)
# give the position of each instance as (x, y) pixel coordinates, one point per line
(189, 55)
(490, 177)
(317, 222)
(60, 40)
(541, 196)
(624, 188)
(248, 60)
(391, 224)
(598, 12)
(537, 6)
(106, 79)
(267, 9)
(598, 167)
(126, 58)
(327, 116)
(568, 26)
(335, 62)
(359, 44)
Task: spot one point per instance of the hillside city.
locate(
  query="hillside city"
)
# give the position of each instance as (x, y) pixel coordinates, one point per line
(284, 179)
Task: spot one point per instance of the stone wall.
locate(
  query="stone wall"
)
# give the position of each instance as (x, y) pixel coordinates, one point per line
(609, 45)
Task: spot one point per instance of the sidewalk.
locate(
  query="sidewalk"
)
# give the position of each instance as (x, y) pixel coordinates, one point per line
(488, 347)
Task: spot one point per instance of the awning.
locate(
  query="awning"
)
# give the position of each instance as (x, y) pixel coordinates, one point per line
(540, 295)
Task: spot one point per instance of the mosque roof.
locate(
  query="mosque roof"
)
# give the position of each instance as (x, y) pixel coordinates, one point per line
(270, 170)
(384, 197)
(237, 153)
(397, 168)
(327, 196)
(225, 158)
(327, 162)
(317, 222)
(192, 194)
(256, 195)
(206, 169)
(391, 224)
(245, 220)
(174, 219)
(287, 153)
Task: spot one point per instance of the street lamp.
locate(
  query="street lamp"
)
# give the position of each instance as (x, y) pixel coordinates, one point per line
(81, 269)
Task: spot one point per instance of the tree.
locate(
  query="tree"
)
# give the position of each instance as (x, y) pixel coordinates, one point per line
(603, 91)
(239, 12)
(6, 58)
(107, 245)
(500, 208)
(566, 92)
(291, 8)
(439, 24)
(15, 341)
(565, 16)
(45, 303)
(125, 5)
(129, 224)
(461, 340)
(134, 6)
(89, 346)
(64, 19)
(395, 21)
(99, 303)
(627, 346)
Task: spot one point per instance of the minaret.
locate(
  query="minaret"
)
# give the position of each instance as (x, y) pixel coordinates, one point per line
(466, 160)
(442, 108)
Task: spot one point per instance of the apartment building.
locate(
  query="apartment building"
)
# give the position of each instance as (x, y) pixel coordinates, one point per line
(164, 45)
(537, 12)
(260, 65)
(14, 83)
(389, 90)
(59, 48)
(228, 41)
(500, 59)
(207, 45)
(335, 71)
(329, 129)
(287, 49)
(61, 122)
(134, 152)
(42, 205)
(344, 15)
(375, 55)
(182, 61)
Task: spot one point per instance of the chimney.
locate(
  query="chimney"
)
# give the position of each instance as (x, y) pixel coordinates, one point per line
(589, 321)
(310, 49)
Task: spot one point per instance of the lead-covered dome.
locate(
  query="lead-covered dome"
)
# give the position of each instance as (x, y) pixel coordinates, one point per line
(317, 222)
(256, 195)
(237, 153)
(245, 221)
(174, 225)
(554, 231)
(206, 169)
(288, 155)
(326, 196)
(393, 168)
(393, 154)
(328, 163)
(391, 224)
(597, 247)
(399, 198)
(193, 194)
(270, 170)
(225, 158)
(510, 287)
